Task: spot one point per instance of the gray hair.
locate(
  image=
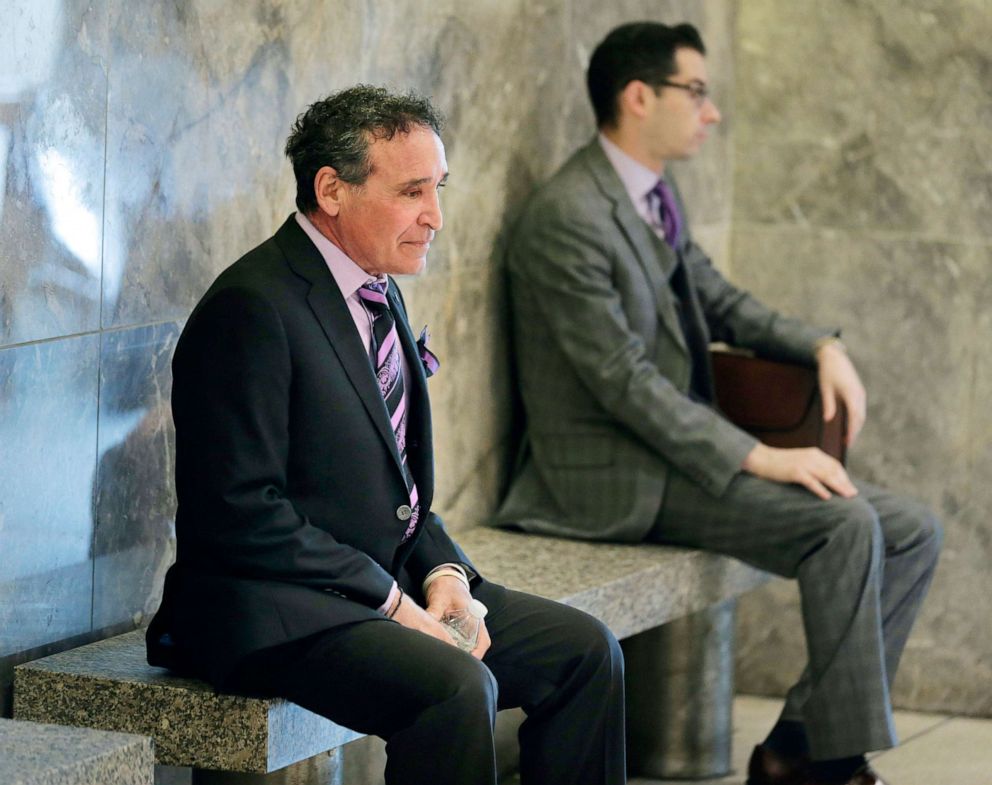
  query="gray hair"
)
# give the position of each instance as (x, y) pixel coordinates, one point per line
(337, 131)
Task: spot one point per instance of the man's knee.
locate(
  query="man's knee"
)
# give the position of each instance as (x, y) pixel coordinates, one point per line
(472, 688)
(597, 644)
(929, 529)
(924, 535)
(857, 525)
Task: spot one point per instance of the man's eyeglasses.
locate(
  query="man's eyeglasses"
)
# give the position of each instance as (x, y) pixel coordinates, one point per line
(697, 90)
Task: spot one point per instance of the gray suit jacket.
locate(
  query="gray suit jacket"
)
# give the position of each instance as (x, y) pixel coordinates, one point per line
(603, 367)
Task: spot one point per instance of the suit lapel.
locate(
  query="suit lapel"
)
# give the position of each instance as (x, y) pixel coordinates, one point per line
(655, 258)
(331, 312)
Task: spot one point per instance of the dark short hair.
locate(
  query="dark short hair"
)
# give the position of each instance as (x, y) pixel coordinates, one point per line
(337, 131)
(642, 51)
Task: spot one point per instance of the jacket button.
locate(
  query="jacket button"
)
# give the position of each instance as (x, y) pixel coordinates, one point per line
(403, 512)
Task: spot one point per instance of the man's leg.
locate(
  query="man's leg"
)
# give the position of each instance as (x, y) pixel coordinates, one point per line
(434, 705)
(912, 544)
(565, 669)
(856, 622)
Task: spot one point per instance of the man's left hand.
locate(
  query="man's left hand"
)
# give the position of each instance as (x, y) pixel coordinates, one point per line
(839, 379)
(447, 593)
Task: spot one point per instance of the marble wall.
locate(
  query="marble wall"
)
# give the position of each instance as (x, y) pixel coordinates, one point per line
(863, 195)
(140, 154)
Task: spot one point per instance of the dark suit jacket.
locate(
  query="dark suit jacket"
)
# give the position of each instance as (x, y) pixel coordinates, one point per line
(603, 366)
(287, 473)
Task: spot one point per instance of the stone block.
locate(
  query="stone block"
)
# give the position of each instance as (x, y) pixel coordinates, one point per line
(630, 588)
(36, 754)
(109, 685)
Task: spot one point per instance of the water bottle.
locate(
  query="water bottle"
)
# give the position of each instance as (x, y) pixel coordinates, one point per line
(464, 624)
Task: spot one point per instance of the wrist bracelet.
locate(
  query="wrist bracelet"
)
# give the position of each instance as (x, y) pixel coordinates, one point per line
(396, 607)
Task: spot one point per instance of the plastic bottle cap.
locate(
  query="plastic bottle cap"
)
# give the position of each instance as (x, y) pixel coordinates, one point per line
(477, 609)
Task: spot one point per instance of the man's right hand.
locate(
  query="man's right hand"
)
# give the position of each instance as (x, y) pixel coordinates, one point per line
(806, 466)
(411, 615)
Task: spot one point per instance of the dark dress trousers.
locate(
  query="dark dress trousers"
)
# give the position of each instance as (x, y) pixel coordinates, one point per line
(292, 511)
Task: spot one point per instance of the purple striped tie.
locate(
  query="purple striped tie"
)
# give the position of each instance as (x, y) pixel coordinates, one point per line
(386, 362)
(668, 211)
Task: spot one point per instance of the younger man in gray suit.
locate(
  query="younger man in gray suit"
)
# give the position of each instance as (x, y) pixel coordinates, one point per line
(614, 305)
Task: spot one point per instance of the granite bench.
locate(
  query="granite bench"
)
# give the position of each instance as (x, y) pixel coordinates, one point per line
(108, 685)
(36, 754)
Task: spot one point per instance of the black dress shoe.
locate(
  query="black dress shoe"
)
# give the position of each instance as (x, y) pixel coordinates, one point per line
(866, 775)
(769, 768)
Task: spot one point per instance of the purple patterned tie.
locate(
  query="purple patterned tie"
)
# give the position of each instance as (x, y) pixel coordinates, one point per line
(668, 211)
(386, 362)
(696, 339)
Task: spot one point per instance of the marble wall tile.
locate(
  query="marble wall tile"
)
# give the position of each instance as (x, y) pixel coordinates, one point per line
(863, 188)
(199, 109)
(48, 429)
(134, 495)
(52, 104)
(914, 316)
(471, 396)
(883, 126)
(491, 67)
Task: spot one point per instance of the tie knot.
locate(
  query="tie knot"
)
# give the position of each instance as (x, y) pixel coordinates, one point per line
(373, 294)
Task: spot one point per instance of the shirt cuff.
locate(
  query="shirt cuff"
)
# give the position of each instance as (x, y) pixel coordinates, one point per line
(390, 600)
(464, 569)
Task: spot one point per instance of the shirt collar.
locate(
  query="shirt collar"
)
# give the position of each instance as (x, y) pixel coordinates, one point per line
(348, 275)
(637, 179)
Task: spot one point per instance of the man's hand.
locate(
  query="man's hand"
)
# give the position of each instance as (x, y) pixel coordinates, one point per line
(839, 379)
(447, 593)
(412, 616)
(806, 466)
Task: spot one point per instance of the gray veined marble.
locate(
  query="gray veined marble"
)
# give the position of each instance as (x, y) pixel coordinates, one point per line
(199, 107)
(52, 107)
(863, 189)
(48, 431)
(133, 494)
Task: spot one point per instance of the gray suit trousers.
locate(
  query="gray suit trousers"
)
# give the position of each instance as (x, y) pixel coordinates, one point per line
(863, 567)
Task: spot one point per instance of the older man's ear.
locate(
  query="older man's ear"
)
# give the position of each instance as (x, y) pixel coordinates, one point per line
(329, 190)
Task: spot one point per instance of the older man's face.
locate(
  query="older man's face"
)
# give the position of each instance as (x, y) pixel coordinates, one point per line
(386, 225)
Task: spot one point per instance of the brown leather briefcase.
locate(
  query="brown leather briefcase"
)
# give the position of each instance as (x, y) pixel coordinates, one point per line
(776, 402)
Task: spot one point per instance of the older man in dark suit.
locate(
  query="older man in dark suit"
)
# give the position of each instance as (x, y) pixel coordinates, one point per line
(614, 306)
(310, 564)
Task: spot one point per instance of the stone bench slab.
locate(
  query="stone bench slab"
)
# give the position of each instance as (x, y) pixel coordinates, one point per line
(36, 754)
(631, 588)
(109, 685)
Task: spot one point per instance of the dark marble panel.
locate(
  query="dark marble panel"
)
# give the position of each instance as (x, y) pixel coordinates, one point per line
(200, 105)
(134, 498)
(53, 93)
(48, 432)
